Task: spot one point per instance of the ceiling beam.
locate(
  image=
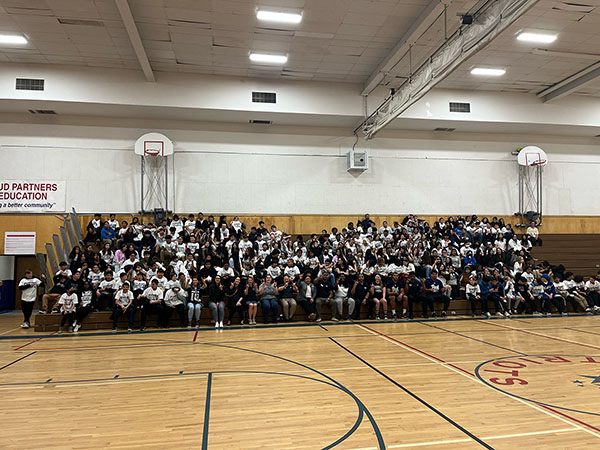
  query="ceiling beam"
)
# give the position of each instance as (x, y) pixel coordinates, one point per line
(489, 21)
(425, 20)
(136, 40)
(571, 84)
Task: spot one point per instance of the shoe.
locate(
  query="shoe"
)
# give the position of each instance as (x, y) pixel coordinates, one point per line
(404, 316)
(55, 311)
(43, 311)
(499, 314)
(143, 329)
(377, 317)
(589, 313)
(78, 327)
(129, 330)
(424, 316)
(433, 314)
(549, 314)
(335, 319)
(318, 320)
(385, 317)
(216, 324)
(312, 316)
(25, 325)
(444, 314)
(114, 330)
(507, 314)
(60, 330)
(564, 314)
(472, 315)
(487, 314)
(349, 319)
(220, 324)
(189, 326)
(536, 313)
(395, 317)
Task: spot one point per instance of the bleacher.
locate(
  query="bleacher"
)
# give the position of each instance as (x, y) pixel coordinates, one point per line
(579, 253)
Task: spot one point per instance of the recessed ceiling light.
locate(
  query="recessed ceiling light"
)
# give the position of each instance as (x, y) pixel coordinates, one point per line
(12, 39)
(276, 16)
(538, 38)
(488, 72)
(268, 58)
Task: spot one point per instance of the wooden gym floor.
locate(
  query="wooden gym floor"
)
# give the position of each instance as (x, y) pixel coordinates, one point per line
(442, 384)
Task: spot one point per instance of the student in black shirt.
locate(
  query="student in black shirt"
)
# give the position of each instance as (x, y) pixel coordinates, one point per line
(360, 292)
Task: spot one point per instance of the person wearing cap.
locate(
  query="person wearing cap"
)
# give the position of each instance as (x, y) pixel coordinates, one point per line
(174, 301)
(67, 303)
(123, 306)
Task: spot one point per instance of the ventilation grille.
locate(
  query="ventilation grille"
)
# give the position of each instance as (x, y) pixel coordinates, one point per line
(29, 84)
(42, 111)
(447, 130)
(264, 97)
(261, 122)
(460, 107)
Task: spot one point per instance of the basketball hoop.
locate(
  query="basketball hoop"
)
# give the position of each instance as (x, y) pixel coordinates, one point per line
(154, 144)
(532, 156)
(541, 162)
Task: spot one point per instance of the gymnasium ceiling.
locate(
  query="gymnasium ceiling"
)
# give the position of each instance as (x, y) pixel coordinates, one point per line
(337, 40)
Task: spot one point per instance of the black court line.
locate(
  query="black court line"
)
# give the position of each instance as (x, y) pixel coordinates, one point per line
(280, 325)
(323, 327)
(16, 361)
(475, 339)
(206, 412)
(416, 397)
(582, 331)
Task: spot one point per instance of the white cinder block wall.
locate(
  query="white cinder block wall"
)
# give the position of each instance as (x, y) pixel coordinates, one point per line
(257, 172)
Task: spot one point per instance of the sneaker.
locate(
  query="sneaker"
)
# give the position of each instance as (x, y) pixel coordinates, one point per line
(385, 317)
(129, 330)
(433, 314)
(143, 329)
(564, 314)
(377, 317)
(536, 313)
(349, 319)
(216, 324)
(77, 327)
(507, 314)
(444, 314)
(395, 316)
(220, 324)
(472, 315)
(589, 313)
(548, 314)
(335, 319)
(404, 316)
(60, 330)
(114, 330)
(43, 311)
(487, 314)
(318, 320)
(24, 325)
(189, 326)
(499, 314)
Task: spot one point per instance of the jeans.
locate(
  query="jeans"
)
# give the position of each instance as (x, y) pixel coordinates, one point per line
(269, 305)
(67, 317)
(156, 308)
(441, 298)
(319, 305)
(218, 311)
(233, 308)
(118, 311)
(194, 309)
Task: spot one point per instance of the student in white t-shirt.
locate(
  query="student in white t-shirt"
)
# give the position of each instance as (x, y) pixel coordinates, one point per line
(151, 301)
(29, 288)
(67, 303)
(123, 306)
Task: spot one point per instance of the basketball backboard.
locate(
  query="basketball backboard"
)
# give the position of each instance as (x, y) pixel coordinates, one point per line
(154, 144)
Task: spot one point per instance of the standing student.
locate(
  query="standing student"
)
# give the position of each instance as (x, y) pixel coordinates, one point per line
(151, 301)
(67, 303)
(251, 300)
(473, 294)
(84, 306)
(268, 302)
(29, 288)
(414, 291)
(123, 306)
(216, 301)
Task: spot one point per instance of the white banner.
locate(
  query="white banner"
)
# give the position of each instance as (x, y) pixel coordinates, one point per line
(28, 196)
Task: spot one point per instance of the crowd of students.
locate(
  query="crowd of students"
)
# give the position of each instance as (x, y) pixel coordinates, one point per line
(186, 263)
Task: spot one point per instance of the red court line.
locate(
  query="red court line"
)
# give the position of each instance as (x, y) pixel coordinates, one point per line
(568, 417)
(195, 336)
(418, 351)
(544, 335)
(32, 342)
(104, 346)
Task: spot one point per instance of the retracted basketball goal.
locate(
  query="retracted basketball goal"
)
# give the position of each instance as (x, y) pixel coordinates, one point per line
(531, 160)
(154, 150)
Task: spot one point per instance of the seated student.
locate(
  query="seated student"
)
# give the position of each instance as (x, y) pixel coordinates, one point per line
(194, 304)
(361, 290)
(549, 297)
(251, 300)
(291, 270)
(305, 297)
(414, 290)
(485, 286)
(324, 293)
(108, 235)
(216, 301)
(497, 295)
(592, 288)
(50, 300)
(236, 297)
(378, 296)
(570, 286)
(581, 294)
(533, 235)
(341, 297)
(536, 293)
(139, 285)
(105, 292)
(268, 302)
(395, 293)
(95, 276)
(86, 297)
(174, 300)
(287, 298)
(435, 289)
(473, 294)
(150, 301)
(67, 303)
(123, 306)
(522, 293)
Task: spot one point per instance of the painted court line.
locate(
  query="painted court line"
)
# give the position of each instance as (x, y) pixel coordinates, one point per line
(32, 342)
(488, 438)
(541, 408)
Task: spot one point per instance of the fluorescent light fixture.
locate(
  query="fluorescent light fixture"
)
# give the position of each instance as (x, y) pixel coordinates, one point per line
(275, 16)
(538, 38)
(268, 58)
(12, 39)
(488, 72)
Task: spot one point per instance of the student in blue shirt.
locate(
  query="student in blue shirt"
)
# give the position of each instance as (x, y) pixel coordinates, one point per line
(414, 291)
(485, 287)
(549, 297)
